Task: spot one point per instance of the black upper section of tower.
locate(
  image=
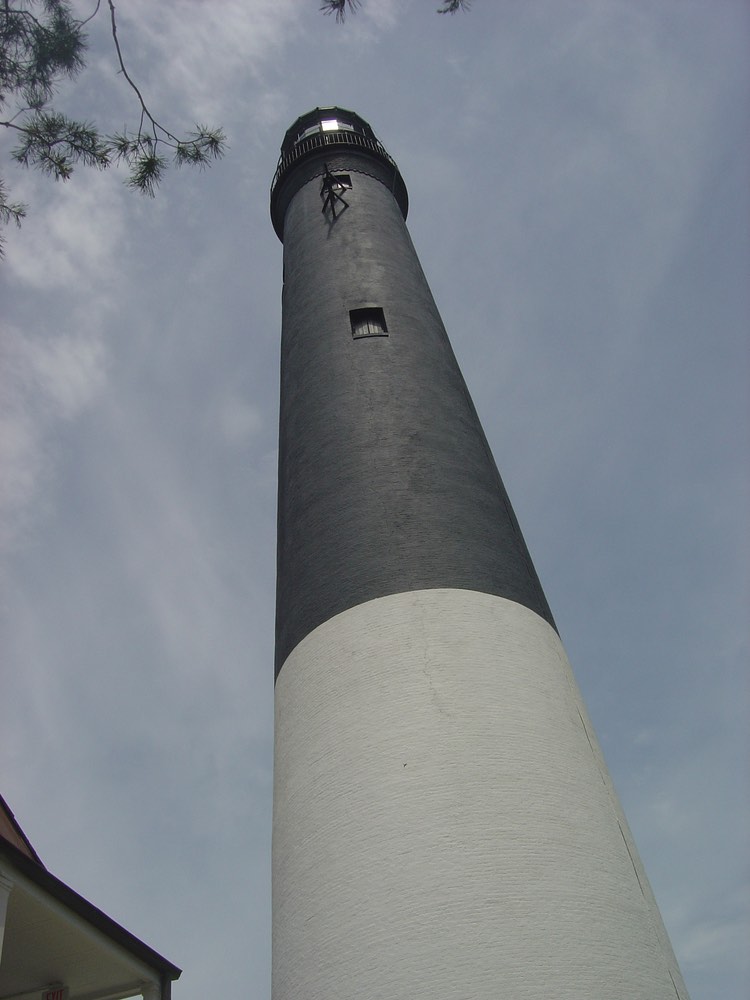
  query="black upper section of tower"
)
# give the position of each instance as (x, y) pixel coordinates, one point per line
(321, 133)
(386, 481)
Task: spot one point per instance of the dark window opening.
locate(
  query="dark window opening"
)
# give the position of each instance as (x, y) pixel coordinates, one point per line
(368, 322)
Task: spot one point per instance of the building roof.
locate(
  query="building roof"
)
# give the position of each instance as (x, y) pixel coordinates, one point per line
(55, 936)
(10, 830)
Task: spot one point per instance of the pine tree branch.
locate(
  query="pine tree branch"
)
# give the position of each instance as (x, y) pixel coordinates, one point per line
(131, 82)
(454, 6)
(9, 212)
(91, 16)
(141, 151)
(339, 7)
(37, 47)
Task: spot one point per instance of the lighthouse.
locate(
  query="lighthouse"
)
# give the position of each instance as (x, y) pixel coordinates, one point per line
(444, 824)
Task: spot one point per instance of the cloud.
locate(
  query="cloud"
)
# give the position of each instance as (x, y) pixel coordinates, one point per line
(193, 59)
(711, 942)
(383, 15)
(562, 173)
(201, 53)
(237, 420)
(44, 379)
(72, 236)
(66, 256)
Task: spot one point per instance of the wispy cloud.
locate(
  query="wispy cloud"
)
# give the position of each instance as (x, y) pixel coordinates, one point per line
(195, 60)
(201, 54)
(72, 237)
(66, 256)
(710, 942)
(44, 379)
(573, 211)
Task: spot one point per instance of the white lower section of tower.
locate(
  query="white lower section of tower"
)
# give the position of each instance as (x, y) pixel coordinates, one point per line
(444, 823)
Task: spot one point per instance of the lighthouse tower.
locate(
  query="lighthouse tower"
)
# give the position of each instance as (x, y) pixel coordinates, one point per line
(444, 824)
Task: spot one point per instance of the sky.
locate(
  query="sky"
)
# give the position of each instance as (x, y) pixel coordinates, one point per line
(577, 174)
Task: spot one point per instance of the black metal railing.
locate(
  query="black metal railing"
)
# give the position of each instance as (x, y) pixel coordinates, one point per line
(342, 138)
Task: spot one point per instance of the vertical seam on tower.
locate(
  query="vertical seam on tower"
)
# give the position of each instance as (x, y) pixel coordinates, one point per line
(630, 855)
(612, 801)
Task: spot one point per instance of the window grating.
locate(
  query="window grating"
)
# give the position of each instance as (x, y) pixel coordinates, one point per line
(368, 322)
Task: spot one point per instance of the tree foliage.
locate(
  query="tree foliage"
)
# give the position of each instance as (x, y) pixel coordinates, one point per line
(341, 7)
(42, 43)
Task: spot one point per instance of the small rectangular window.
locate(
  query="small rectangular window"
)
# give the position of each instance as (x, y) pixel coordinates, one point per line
(342, 180)
(368, 322)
